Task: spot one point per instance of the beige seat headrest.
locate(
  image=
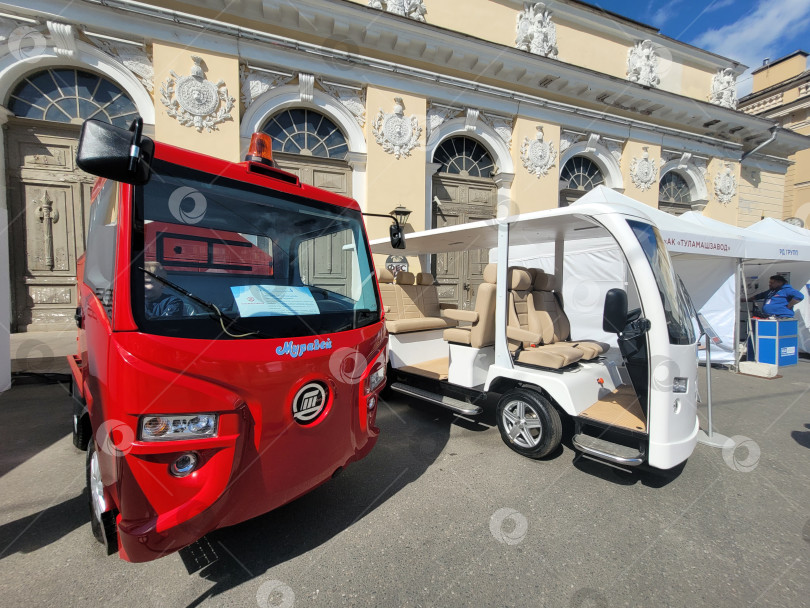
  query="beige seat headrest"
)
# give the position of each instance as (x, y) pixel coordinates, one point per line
(544, 282)
(425, 278)
(521, 280)
(491, 273)
(404, 278)
(385, 276)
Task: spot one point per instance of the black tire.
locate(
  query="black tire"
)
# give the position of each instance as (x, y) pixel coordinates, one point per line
(537, 432)
(102, 523)
(81, 422)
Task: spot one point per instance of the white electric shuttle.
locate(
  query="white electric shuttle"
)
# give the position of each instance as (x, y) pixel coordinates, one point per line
(578, 314)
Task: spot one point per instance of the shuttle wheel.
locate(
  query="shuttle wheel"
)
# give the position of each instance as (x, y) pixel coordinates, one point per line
(102, 518)
(528, 423)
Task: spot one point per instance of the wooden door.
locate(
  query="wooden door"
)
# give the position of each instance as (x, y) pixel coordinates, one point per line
(49, 200)
(325, 261)
(462, 200)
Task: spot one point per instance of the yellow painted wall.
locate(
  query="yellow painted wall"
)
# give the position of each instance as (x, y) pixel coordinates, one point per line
(222, 142)
(779, 72)
(595, 52)
(529, 192)
(760, 196)
(484, 19)
(695, 82)
(632, 150)
(725, 212)
(393, 181)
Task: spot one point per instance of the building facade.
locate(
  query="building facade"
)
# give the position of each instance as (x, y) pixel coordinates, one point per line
(456, 110)
(781, 93)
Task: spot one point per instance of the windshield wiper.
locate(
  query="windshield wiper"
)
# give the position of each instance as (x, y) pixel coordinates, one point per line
(221, 316)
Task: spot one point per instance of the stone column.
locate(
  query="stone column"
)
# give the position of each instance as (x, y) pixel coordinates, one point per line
(5, 278)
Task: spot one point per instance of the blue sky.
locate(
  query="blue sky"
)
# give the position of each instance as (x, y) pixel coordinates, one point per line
(747, 31)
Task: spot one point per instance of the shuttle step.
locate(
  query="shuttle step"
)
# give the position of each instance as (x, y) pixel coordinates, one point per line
(607, 450)
(455, 405)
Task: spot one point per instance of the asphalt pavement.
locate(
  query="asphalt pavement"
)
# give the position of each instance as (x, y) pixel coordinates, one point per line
(442, 513)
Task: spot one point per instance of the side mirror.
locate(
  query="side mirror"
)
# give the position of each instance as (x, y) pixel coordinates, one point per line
(397, 236)
(118, 154)
(614, 318)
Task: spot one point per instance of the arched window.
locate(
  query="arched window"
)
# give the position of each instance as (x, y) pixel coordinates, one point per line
(306, 132)
(70, 96)
(674, 195)
(464, 156)
(580, 173)
(578, 176)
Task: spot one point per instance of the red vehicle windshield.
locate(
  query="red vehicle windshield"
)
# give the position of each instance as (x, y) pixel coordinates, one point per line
(211, 252)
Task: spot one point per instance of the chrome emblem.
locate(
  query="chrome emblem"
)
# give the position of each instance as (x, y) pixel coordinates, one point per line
(309, 402)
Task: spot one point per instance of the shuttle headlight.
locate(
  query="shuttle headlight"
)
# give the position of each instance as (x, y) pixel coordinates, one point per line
(173, 428)
(680, 385)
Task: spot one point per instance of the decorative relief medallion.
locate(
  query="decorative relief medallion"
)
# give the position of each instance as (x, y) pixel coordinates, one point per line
(352, 98)
(415, 9)
(538, 156)
(195, 101)
(134, 58)
(395, 132)
(536, 32)
(255, 83)
(724, 89)
(642, 171)
(642, 64)
(725, 185)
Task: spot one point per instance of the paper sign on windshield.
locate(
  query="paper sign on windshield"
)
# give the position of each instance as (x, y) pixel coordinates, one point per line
(273, 300)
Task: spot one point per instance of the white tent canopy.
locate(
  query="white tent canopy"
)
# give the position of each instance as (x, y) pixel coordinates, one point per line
(792, 237)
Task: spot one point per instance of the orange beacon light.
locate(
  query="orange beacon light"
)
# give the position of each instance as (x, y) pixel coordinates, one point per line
(261, 149)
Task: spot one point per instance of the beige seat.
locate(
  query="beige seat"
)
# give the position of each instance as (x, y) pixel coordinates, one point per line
(481, 332)
(526, 343)
(410, 306)
(549, 319)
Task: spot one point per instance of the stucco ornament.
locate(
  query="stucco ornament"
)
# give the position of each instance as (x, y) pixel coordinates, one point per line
(725, 185)
(724, 89)
(255, 83)
(642, 171)
(536, 31)
(415, 9)
(134, 58)
(501, 125)
(437, 115)
(642, 64)
(352, 98)
(395, 132)
(195, 101)
(538, 156)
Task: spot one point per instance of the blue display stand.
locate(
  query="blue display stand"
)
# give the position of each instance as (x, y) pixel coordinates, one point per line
(777, 341)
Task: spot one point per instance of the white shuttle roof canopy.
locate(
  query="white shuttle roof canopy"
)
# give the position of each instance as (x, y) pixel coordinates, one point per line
(529, 229)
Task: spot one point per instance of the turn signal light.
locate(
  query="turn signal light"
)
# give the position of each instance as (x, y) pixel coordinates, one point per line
(261, 149)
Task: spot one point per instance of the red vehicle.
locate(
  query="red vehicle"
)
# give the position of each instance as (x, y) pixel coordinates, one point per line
(231, 341)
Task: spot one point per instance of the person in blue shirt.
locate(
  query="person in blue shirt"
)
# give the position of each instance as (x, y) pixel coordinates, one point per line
(779, 299)
(157, 303)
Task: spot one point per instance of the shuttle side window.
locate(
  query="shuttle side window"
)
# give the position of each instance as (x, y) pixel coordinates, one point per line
(99, 264)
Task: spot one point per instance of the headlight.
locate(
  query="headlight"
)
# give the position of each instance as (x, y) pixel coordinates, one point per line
(680, 385)
(375, 379)
(172, 428)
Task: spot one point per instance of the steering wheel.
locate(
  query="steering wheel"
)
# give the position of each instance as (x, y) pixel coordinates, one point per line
(192, 309)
